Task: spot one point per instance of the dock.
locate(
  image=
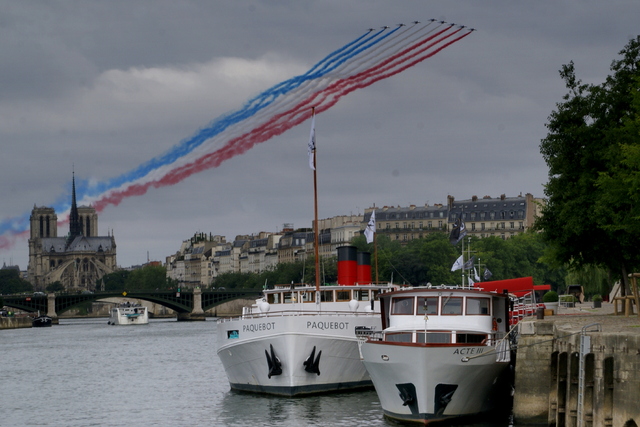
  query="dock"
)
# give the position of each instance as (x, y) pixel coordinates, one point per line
(580, 367)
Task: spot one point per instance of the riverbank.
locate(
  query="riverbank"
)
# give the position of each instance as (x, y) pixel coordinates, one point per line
(582, 363)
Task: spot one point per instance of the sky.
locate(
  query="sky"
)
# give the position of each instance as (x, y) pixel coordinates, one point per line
(100, 89)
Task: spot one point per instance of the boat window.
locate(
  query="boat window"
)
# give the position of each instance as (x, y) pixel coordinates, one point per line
(343, 295)
(361, 294)
(452, 305)
(274, 298)
(478, 306)
(470, 338)
(427, 305)
(308, 296)
(403, 305)
(289, 297)
(326, 296)
(399, 337)
(434, 337)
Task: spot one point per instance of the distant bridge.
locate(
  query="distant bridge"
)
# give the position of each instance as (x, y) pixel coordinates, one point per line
(189, 305)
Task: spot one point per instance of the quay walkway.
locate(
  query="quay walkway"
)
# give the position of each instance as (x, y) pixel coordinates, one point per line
(580, 367)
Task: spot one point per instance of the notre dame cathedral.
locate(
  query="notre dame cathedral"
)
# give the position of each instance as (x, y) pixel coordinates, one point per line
(78, 260)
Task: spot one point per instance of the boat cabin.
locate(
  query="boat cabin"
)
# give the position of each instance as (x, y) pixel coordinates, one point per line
(327, 294)
(444, 315)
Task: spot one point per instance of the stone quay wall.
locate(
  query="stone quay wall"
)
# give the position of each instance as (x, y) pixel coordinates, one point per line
(547, 376)
(15, 322)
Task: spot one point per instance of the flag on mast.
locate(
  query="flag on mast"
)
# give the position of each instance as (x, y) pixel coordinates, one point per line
(458, 264)
(487, 274)
(312, 140)
(469, 264)
(458, 231)
(371, 227)
(475, 275)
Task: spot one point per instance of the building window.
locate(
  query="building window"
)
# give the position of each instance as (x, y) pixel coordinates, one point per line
(439, 224)
(473, 226)
(429, 225)
(512, 225)
(482, 226)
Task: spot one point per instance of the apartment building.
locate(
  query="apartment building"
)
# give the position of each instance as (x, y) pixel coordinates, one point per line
(483, 217)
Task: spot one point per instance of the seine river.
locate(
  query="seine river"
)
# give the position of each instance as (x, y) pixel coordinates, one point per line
(84, 372)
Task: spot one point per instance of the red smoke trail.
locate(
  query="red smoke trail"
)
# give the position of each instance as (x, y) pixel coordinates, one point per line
(8, 240)
(284, 121)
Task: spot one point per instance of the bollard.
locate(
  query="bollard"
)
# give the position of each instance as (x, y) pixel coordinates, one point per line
(540, 313)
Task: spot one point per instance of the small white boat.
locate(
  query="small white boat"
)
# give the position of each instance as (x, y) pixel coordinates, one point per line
(129, 314)
(443, 354)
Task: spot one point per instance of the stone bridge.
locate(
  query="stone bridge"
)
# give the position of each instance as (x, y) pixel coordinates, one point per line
(189, 305)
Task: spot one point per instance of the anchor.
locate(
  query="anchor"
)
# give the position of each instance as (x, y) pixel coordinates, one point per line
(275, 366)
(312, 364)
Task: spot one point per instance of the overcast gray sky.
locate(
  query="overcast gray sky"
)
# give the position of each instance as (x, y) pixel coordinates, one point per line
(104, 86)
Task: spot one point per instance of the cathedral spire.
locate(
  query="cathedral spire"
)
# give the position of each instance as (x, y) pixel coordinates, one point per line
(75, 228)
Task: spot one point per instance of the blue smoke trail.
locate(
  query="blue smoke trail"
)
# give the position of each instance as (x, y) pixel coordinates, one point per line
(251, 107)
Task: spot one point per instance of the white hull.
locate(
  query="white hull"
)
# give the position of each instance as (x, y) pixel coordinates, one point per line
(426, 374)
(129, 316)
(293, 338)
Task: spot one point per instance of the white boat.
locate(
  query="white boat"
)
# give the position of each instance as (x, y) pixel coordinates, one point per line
(129, 314)
(443, 354)
(289, 344)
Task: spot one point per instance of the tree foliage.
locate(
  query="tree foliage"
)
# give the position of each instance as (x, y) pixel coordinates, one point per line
(150, 277)
(12, 283)
(116, 281)
(56, 286)
(591, 216)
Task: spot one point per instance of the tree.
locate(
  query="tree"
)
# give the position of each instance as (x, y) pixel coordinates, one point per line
(56, 286)
(116, 281)
(583, 222)
(12, 283)
(149, 277)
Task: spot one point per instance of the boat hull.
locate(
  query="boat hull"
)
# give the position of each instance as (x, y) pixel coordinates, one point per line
(424, 384)
(41, 322)
(245, 346)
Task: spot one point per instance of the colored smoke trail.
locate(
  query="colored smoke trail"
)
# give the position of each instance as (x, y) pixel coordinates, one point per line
(360, 63)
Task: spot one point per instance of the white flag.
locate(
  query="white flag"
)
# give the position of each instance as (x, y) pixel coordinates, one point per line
(458, 264)
(471, 282)
(371, 227)
(475, 274)
(312, 140)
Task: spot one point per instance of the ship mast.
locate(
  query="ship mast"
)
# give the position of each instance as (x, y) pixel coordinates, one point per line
(316, 234)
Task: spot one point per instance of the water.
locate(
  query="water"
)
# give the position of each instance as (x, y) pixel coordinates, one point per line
(84, 372)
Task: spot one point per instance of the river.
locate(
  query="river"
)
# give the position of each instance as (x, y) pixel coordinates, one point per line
(84, 372)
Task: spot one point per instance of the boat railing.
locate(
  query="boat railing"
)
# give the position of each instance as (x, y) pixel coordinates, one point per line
(287, 313)
(430, 337)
